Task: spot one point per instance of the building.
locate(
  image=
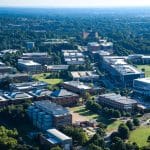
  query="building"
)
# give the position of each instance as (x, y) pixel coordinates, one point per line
(81, 88)
(30, 45)
(139, 59)
(93, 46)
(17, 97)
(117, 101)
(85, 75)
(106, 46)
(27, 86)
(6, 70)
(29, 66)
(54, 68)
(142, 86)
(9, 51)
(16, 78)
(64, 97)
(120, 71)
(54, 137)
(73, 57)
(40, 94)
(3, 101)
(41, 58)
(46, 115)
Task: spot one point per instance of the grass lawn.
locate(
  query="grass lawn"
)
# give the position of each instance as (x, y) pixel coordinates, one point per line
(140, 136)
(147, 69)
(113, 126)
(41, 77)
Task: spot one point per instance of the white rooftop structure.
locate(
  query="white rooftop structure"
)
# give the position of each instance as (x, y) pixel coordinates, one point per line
(28, 62)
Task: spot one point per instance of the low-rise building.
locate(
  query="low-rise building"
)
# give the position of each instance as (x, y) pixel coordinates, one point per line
(85, 75)
(81, 88)
(40, 94)
(6, 70)
(117, 101)
(41, 58)
(64, 97)
(27, 86)
(46, 115)
(93, 46)
(142, 86)
(3, 101)
(29, 66)
(17, 97)
(56, 68)
(53, 137)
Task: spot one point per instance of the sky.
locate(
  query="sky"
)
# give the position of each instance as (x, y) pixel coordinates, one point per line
(74, 3)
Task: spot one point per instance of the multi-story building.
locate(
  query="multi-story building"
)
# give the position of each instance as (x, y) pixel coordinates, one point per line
(120, 71)
(93, 46)
(81, 88)
(27, 86)
(85, 75)
(142, 86)
(117, 101)
(64, 97)
(42, 58)
(29, 66)
(73, 57)
(6, 70)
(56, 67)
(60, 139)
(17, 97)
(46, 115)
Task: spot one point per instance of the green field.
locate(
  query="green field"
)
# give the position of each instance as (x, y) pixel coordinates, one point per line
(146, 68)
(113, 126)
(140, 136)
(42, 77)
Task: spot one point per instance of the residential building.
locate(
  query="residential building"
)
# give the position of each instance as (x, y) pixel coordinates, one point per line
(17, 97)
(28, 86)
(46, 115)
(29, 66)
(142, 86)
(40, 94)
(53, 137)
(39, 57)
(64, 97)
(81, 88)
(85, 75)
(117, 101)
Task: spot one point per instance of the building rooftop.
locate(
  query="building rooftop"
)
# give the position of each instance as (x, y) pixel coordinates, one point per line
(17, 95)
(51, 108)
(80, 74)
(145, 80)
(2, 99)
(57, 67)
(28, 62)
(40, 92)
(35, 54)
(93, 44)
(78, 84)
(62, 93)
(118, 98)
(57, 135)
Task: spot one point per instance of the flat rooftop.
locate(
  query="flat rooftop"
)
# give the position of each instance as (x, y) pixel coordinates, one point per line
(144, 80)
(28, 63)
(118, 98)
(57, 67)
(79, 74)
(78, 84)
(35, 54)
(40, 92)
(51, 108)
(93, 44)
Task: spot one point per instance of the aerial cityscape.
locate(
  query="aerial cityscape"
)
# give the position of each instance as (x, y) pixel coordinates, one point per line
(75, 75)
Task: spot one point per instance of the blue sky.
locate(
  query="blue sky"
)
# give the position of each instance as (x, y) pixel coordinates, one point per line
(74, 3)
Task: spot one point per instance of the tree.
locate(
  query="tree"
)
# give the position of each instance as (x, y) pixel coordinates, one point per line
(130, 125)
(136, 122)
(94, 147)
(56, 148)
(123, 131)
(148, 139)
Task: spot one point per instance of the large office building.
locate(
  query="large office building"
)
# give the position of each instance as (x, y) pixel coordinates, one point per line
(46, 115)
(41, 58)
(29, 66)
(117, 101)
(73, 57)
(120, 71)
(64, 97)
(142, 86)
(85, 75)
(27, 86)
(53, 137)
